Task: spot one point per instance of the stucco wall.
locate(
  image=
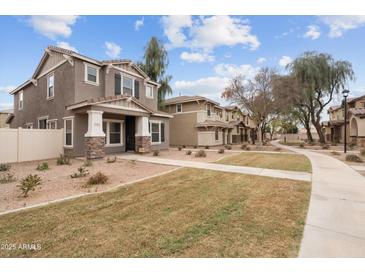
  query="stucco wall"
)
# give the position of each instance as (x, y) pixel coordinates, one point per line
(207, 138)
(182, 129)
(166, 144)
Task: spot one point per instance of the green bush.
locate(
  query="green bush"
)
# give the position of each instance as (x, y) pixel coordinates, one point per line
(195, 146)
(82, 172)
(352, 145)
(244, 147)
(206, 147)
(42, 166)
(97, 179)
(88, 162)
(188, 152)
(7, 178)
(63, 160)
(353, 158)
(179, 148)
(184, 146)
(201, 153)
(221, 151)
(4, 167)
(29, 183)
(156, 153)
(301, 145)
(229, 147)
(111, 160)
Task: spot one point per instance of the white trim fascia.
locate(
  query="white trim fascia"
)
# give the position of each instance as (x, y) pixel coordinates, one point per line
(128, 72)
(87, 59)
(78, 105)
(69, 118)
(52, 68)
(121, 107)
(191, 111)
(162, 115)
(97, 74)
(69, 59)
(19, 88)
(149, 85)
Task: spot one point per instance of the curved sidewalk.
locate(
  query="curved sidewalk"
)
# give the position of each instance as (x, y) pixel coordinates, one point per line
(335, 225)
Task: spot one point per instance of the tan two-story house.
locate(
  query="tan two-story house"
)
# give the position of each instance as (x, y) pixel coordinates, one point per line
(334, 128)
(199, 121)
(103, 106)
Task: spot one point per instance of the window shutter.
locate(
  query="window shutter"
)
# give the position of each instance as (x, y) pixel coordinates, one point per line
(136, 89)
(162, 132)
(118, 84)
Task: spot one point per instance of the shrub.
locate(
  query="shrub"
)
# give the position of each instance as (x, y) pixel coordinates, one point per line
(179, 148)
(195, 146)
(7, 178)
(277, 149)
(132, 162)
(88, 162)
(206, 147)
(244, 147)
(325, 146)
(29, 183)
(352, 145)
(5, 167)
(111, 160)
(63, 160)
(184, 146)
(42, 166)
(97, 179)
(301, 145)
(335, 153)
(188, 152)
(229, 147)
(201, 153)
(362, 152)
(221, 151)
(82, 172)
(156, 153)
(353, 158)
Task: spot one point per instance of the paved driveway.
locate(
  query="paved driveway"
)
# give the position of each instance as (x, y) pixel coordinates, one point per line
(335, 225)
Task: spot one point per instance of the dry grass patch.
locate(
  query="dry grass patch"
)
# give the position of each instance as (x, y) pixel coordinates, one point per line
(291, 162)
(187, 213)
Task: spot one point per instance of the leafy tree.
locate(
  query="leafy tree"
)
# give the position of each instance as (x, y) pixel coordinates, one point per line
(155, 64)
(322, 77)
(254, 95)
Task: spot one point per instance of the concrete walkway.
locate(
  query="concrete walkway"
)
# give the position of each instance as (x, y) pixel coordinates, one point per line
(303, 176)
(335, 225)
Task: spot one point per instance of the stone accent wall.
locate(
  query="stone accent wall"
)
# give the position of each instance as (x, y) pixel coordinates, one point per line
(94, 147)
(143, 144)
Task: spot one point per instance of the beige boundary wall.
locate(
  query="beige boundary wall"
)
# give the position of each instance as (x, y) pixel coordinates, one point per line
(20, 145)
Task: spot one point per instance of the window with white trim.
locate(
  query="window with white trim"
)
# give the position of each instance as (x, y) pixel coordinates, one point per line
(157, 129)
(178, 107)
(128, 85)
(50, 86)
(149, 91)
(113, 130)
(52, 124)
(20, 106)
(91, 74)
(208, 110)
(42, 123)
(68, 129)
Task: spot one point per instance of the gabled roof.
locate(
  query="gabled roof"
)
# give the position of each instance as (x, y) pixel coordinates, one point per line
(186, 99)
(213, 123)
(357, 111)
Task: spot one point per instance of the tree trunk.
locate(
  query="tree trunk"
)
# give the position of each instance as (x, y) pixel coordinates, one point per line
(318, 127)
(309, 133)
(259, 136)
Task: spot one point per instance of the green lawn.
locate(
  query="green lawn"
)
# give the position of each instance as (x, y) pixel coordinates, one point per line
(293, 162)
(186, 213)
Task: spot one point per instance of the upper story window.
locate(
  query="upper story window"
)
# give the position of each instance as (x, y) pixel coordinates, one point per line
(178, 107)
(149, 91)
(50, 86)
(21, 103)
(128, 86)
(91, 74)
(208, 110)
(216, 135)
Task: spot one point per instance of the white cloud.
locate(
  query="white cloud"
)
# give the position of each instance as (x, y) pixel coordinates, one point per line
(53, 26)
(340, 24)
(66, 45)
(174, 27)
(6, 105)
(313, 32)
(261, 60)
(6, 89)
(138, 24)
(206, 33)
(231, 70)
(196, 57)
(285, 60)
(112, 49)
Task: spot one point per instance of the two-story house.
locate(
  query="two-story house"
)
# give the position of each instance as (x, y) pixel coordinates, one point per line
(103, 106)
(199, 121)
(355, 127)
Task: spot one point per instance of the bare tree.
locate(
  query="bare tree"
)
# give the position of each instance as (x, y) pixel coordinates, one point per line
(253, 95)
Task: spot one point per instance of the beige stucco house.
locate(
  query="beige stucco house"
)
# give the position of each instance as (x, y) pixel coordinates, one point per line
(334, 128)
(103, 106)
(199, 121)
(4, 114)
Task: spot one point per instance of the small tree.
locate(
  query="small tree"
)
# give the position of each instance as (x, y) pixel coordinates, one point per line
(29, 183)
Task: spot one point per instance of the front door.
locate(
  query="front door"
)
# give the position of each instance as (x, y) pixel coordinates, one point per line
(130, 132)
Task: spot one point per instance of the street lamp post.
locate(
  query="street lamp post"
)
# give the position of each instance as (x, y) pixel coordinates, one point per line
(345, 93)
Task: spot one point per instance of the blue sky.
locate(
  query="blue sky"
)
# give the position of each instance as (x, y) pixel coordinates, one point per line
(204, 51)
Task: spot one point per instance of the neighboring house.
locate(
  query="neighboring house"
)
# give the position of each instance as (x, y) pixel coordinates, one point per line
(103, 106)
(202, 122)
(335, 127)
(4, 114)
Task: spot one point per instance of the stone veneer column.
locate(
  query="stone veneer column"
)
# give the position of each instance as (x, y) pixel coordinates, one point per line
(95, 137)
(143, 136)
